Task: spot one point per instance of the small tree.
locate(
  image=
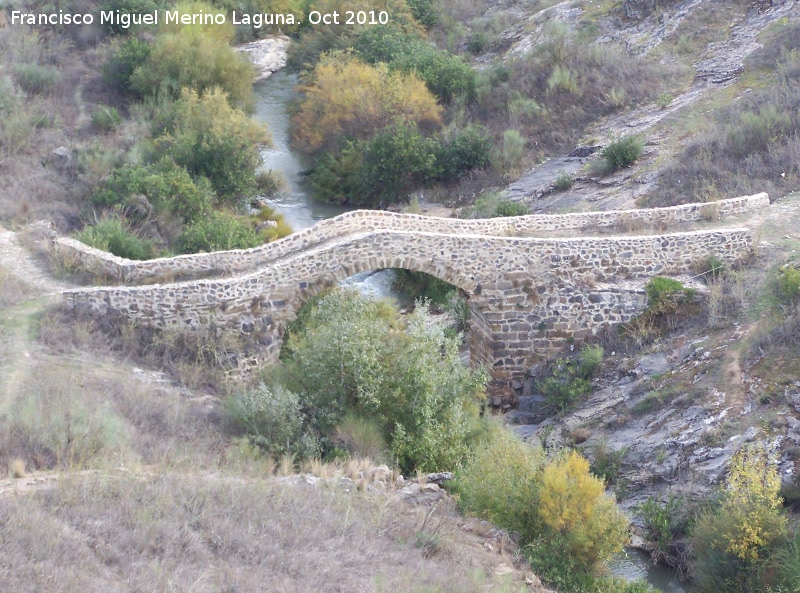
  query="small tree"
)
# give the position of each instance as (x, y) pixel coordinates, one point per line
(213, 140)
(733, 542)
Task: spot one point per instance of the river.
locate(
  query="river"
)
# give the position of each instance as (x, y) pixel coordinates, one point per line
(294, 202)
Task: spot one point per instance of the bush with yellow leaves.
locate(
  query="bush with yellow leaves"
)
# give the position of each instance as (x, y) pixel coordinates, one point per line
(732, 542)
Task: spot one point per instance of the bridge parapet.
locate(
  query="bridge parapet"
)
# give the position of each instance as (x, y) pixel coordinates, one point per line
(221, 263)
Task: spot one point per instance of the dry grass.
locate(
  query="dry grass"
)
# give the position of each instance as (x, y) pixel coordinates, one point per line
(190, 533)
(12, 290)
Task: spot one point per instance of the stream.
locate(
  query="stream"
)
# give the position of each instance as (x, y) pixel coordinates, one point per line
(294, 202)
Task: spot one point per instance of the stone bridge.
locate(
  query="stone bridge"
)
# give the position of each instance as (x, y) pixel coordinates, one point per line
(527, 293)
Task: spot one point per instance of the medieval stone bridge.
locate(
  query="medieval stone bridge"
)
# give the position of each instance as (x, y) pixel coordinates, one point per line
(527, 292)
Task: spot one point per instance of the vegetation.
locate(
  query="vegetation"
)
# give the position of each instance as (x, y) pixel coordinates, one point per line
(619, 154)
(569, 381)
(733, 543)
(559, 510)
(113, 235)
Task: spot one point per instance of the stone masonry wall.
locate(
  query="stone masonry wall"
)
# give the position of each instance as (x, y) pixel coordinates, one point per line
(126, 271)
(526, 294)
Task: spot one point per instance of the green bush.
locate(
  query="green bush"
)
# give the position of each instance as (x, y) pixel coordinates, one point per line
(125, 57)
(477, 42)
(621, 154)
(491, 205)
(194, 60)
(661, 290)
(509, 208)
(566, 524)
(564, 181)
(423, 12)
(106, 118)
(218, 231)
(500, 482)
(459, 152)
(168, 187)
(349, 357)
(114, 236)
(213, 140)
(35, 79)
(569, 381)
(508, 157)
(788, 286)
(665, 524)
(272, 419)
(446, 75)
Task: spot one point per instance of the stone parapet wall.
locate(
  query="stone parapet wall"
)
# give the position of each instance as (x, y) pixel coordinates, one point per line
(222, 263)
(525, 293)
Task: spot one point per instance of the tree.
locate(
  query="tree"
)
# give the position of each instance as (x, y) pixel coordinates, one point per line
(196, 60)
(347, 98)
(212, 139)
(733, 542)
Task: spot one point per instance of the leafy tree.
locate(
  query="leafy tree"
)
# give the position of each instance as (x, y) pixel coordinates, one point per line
(347, 98)
(573, 505)
(213, 140)
(349, 357)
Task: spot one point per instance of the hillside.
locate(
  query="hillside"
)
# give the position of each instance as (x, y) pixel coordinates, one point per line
(133, 460)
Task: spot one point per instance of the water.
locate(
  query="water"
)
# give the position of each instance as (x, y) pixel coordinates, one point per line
(294, 202)
(635, 564)
(273, 96)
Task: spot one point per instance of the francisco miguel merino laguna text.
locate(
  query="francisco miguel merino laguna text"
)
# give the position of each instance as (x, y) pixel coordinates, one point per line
(125, 20)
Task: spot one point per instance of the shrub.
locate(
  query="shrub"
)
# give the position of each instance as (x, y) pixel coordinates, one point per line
(788, 285)
(125, 57)
(218, 231)
(272, 420)
(569, 381)
(567, 525)
(459, 152)
(477, 42)
(167, 187)
(423, 12)
(350, 99)
(213, 140)
(35, 79)
(52, 423)
(106, 118)
(196, 61)
(508, 156)
(509, 208)
(666, 525)
(564, 181)
(732, 543)
(491, 205)
(661, 291)
(446, 75)
(573, 505)
(622, 153)
(114, 236)
(500, 483)
(348, 357)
